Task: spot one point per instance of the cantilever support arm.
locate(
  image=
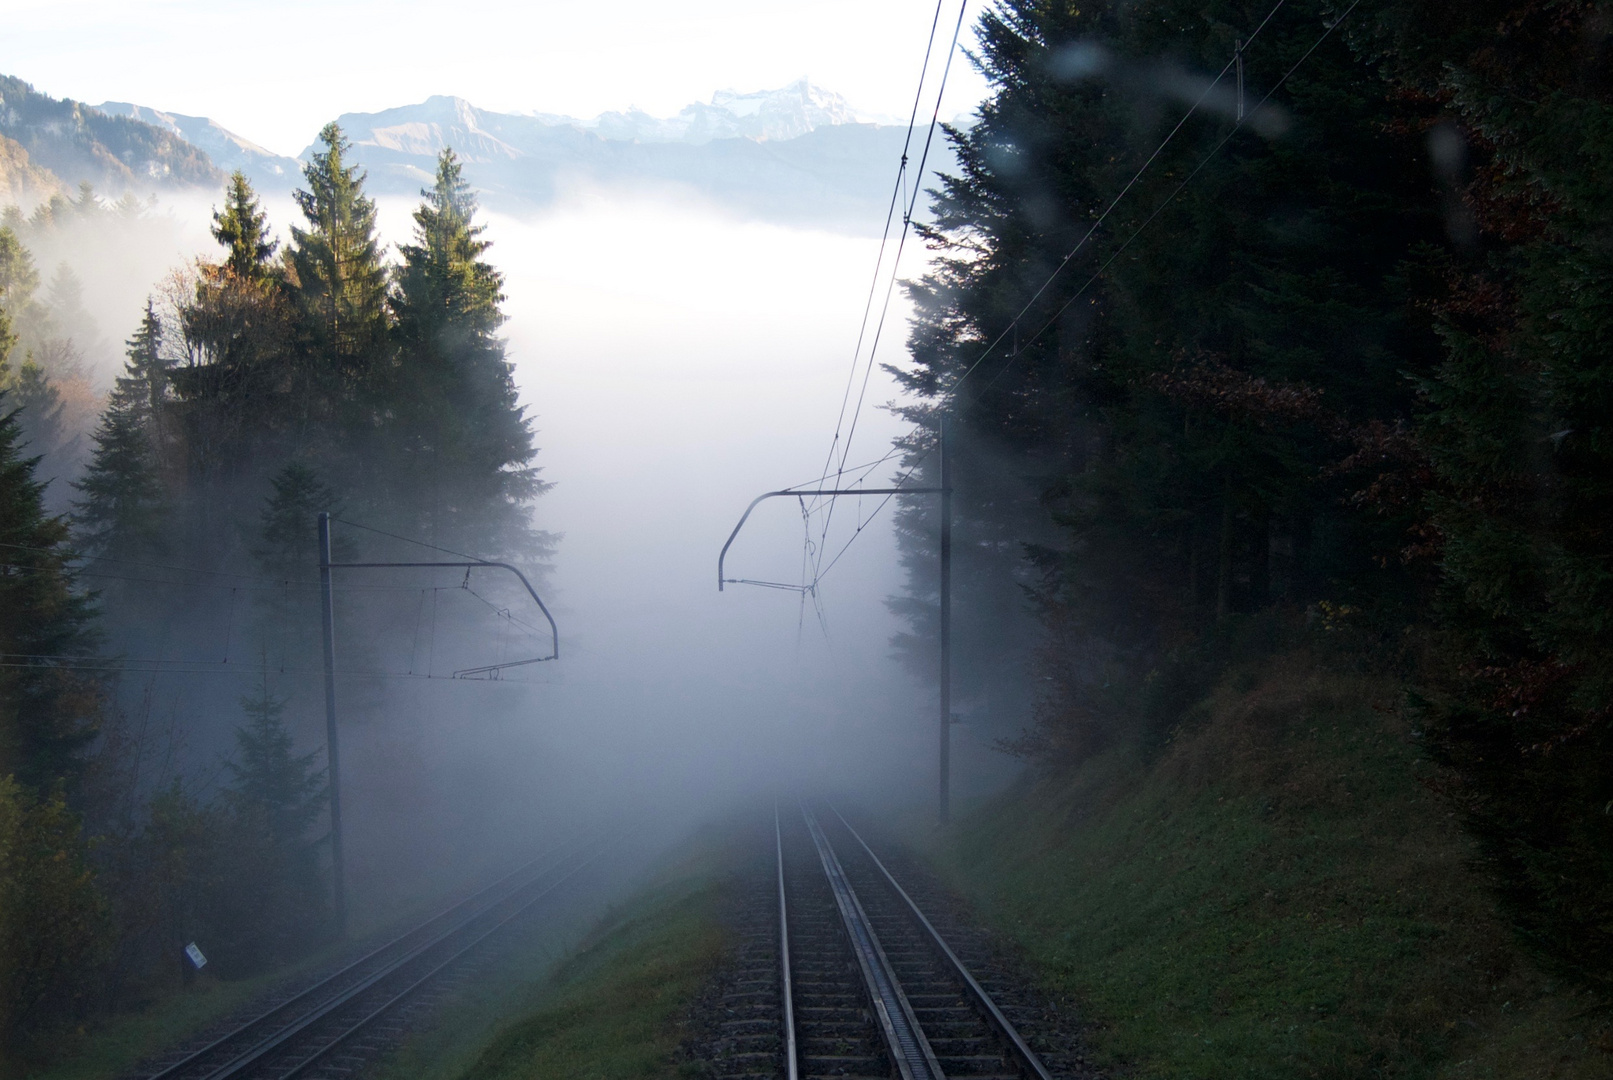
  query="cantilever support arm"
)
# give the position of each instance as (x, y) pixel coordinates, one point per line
(721, 581)
(554, 630)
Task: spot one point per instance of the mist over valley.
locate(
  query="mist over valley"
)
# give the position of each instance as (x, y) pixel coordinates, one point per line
(1070, 544)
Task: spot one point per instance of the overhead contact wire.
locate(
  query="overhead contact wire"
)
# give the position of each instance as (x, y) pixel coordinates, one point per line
(890, 289)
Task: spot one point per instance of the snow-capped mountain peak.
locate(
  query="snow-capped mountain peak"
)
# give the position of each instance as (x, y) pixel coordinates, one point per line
(773, 115)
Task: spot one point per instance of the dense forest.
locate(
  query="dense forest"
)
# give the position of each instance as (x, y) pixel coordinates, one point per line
(259, 388)
(1325, 363)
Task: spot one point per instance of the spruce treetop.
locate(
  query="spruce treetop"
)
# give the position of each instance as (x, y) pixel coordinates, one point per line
(341, 280)
(121, 508)
(444, 280)
(243, 228)
(18, 278)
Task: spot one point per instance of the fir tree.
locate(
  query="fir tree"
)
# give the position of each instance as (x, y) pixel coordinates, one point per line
(48, 711)
(1518, 439)
(242, 227)
(121, 509)
(269, 903)
(19, 280)
(464, 444)
(341, 282)
(8, 341)
(65, 302)
(276, 791)
(1185, 417)
(288, 532)
(41, 414)
(444, 286)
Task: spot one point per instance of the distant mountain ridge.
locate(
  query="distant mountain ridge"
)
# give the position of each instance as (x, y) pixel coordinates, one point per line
(227, 150)
(74, 143)
(769, 115)
(798, 154)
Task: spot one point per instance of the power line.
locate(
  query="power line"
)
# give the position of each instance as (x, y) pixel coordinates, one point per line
(1124, 191)
(1012, 326)
(271, 586)
(407, 540)
(192, 667)
(1216, 149)
(898, 196)
(890, 288)
(71, 556)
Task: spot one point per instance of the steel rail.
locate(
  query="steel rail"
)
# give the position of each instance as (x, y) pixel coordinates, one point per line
(909, 1047)
(247, 1060)
(183, 1063)
(983, 1000)
(392, 1002)
(791, 1060)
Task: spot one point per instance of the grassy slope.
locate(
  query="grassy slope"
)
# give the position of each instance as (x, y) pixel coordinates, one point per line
(610, 1010)
(616, 1008)
(613, 1010)
(1275, 896)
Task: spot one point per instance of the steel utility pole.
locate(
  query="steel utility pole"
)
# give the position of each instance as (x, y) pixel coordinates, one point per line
(945, 491)
(333, 756)
(946, 627)
(338, 884)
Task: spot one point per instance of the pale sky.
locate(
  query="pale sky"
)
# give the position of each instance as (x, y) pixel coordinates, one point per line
(275, 70)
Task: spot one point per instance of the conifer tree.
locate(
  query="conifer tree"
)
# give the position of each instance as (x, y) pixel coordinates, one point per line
(444, 286)
(48, 713)
(341, 283)
(8, 340)
(243, 228)
(287, 551)
(19, 279)
(65, 302)
(278, 792)
(287, 529)
(42, 416)
(122, 505)
(1517, 437)
(269, 901)
(466, 445)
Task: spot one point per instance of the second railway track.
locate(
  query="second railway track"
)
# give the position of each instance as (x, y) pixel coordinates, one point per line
(848, 978)
(334, 1026)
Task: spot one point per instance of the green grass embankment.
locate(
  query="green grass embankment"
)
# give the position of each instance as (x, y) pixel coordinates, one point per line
(1275, 895)
(612, 1009)
(615, 1008)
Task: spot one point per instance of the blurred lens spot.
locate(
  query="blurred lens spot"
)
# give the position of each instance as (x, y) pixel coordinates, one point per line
(1448, 151)
(1078, 60)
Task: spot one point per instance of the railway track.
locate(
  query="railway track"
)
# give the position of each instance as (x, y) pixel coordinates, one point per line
(845, 976)
(334, 1027)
